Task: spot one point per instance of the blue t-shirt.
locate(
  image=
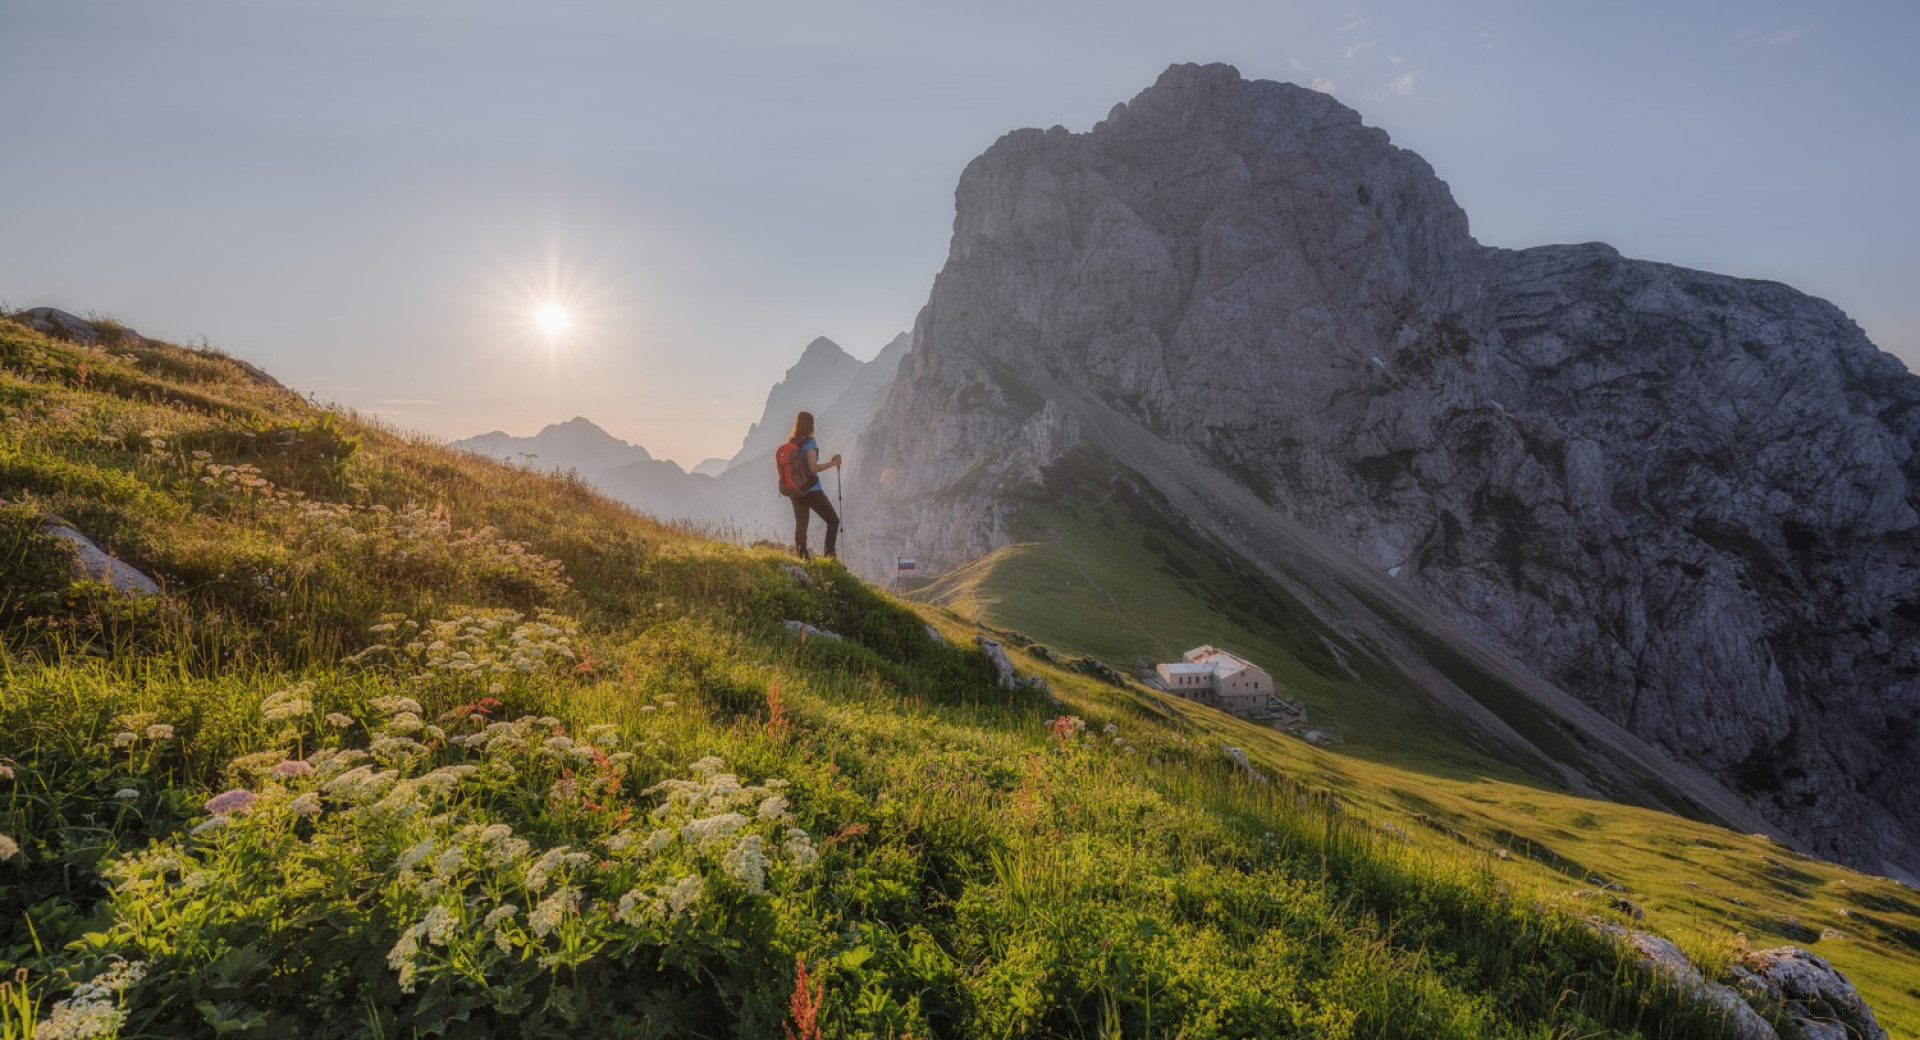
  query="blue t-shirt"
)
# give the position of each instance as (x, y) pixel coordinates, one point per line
(811, 446)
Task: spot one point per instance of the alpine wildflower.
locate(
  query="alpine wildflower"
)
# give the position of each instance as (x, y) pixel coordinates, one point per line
(496, 917)
(8, 848)
(93, 1009)
(747, 863)
(685, 892)
(439, 924)
(401, 957)
(237, 800)
(636, 906)
(552, 861)
(293, 767)
(799, 848)
(290, 703)
(713, 829)
(548, 914)
(159, 731)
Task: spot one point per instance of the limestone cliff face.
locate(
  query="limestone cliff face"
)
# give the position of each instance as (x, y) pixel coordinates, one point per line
(1688, 499)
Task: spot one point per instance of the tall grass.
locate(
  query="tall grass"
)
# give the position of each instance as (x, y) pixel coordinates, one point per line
(416, 744)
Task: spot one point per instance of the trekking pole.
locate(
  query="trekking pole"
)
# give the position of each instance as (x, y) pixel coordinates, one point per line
(838, 505)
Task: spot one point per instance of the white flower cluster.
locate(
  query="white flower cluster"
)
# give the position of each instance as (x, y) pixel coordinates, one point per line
(415, 535)
(94, 1008)
(229, 482)
(489, 550)
(447, 869)
(137, 726)
(291, 703)
(481, 643)
(705, 817)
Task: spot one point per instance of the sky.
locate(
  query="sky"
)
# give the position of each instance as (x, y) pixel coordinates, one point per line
(372, 199)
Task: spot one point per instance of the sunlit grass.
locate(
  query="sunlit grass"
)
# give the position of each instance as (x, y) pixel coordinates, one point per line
(520, 660)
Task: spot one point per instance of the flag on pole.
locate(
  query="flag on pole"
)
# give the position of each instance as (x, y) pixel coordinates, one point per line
(906, 564)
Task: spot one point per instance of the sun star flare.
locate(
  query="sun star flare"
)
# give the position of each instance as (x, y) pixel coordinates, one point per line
(552, 319)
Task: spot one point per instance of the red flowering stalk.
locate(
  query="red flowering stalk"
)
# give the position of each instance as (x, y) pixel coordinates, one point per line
(777, 721)
(804, 1004)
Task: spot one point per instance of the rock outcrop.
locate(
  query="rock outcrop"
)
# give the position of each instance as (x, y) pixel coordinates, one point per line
(92, 563)
(1686, 498)
(71, 327)
(1811, 997)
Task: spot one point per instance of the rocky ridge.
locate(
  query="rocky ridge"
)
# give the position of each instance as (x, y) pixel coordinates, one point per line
(1687, 499)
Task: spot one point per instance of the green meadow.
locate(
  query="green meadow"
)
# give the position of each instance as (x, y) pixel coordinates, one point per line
(417, 745)
(1101, 568)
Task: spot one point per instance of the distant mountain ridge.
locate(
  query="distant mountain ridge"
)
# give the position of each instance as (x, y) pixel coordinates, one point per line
(577, 444)
(734, 496)
(1687, 499)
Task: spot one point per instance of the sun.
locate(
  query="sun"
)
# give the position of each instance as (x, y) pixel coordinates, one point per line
(552, 319)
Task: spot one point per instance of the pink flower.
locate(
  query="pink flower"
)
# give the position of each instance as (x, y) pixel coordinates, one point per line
(237, 800)
(291, 768)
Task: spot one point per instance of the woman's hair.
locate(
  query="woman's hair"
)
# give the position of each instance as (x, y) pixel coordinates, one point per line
(802, 427)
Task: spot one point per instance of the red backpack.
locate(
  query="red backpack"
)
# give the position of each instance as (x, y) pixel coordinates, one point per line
(795, 478)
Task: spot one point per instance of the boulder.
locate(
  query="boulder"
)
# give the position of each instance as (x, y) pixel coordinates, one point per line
(804, 630)
(1818, 998)
(58, 323)
(1008, 679)
(92, 563)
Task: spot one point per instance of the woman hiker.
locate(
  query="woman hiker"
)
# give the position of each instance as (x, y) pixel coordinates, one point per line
(815, 497)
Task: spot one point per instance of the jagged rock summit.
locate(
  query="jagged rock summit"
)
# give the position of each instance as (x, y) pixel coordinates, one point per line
(1688, 499)
(822, 374)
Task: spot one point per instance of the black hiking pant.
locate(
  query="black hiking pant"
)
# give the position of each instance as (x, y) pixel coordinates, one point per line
(815, 502)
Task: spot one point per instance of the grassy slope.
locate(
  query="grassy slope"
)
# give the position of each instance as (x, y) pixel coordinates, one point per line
(1105, 573)
(977, 873)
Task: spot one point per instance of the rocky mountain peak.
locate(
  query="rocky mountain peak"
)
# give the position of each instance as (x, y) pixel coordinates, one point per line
(822, 352)
(821, 375)
(1689, 500)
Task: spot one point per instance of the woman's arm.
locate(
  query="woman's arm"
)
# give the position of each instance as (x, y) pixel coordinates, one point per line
(815, 465)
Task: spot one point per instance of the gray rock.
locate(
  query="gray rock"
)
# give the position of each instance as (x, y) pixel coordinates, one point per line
(92, 563)
(1689, 500)
(1239, 757)
(55, 322)
(805, 630)
(1662, 956)
(1819, 999)
(1008, 679)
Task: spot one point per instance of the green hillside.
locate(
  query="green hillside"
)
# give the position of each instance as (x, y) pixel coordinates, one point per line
(1102, 568)
(413, 744)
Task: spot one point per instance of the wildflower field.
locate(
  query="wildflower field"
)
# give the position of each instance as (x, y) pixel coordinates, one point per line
(413, 744)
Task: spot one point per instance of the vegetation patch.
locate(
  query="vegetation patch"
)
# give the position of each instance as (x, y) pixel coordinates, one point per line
(412, 744)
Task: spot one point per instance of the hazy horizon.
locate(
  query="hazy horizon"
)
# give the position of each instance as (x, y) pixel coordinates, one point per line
(371, 200)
